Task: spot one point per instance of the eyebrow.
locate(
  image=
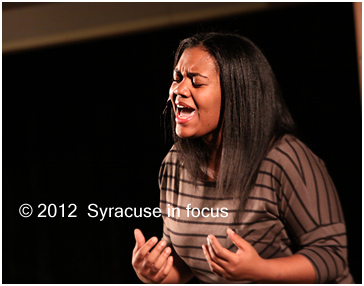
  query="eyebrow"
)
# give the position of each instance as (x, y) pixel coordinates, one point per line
(191, 74)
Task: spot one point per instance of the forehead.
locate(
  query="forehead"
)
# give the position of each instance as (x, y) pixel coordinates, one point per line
(196, 60)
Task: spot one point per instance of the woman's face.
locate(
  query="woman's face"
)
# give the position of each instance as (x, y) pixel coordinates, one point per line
(196, 94)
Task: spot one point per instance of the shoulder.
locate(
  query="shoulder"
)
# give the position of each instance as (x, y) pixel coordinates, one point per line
(169, 164)
(292, 157)
(171, 158)
(290, 149)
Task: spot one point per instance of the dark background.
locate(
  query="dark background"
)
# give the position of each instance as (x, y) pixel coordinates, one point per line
(82, 125)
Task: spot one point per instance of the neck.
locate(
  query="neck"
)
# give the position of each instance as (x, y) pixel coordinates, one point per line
(214, 143)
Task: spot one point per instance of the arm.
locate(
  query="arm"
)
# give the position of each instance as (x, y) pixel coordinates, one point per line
(291, 269)
(310, 209)
(157, 265)
(246, 264)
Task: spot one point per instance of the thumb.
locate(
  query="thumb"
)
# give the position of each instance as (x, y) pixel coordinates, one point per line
(139, 239)
(237, 240)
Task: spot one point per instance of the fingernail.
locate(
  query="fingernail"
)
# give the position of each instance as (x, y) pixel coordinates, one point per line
(209, 241)
(168, 250)
(153, 240)
(230, 231)
(162, 244)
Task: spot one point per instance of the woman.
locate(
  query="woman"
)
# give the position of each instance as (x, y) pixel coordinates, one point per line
(243, 200)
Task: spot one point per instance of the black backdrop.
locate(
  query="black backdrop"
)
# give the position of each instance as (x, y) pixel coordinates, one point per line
(81, 124)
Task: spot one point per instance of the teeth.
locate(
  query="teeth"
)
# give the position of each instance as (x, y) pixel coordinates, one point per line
(181, 106)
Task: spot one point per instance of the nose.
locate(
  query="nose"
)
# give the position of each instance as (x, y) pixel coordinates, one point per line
(181, 89)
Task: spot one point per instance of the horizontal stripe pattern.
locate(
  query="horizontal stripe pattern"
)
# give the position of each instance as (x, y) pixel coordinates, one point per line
(294, 205)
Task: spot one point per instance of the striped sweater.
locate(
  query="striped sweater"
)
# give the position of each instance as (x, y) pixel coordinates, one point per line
(293, 208)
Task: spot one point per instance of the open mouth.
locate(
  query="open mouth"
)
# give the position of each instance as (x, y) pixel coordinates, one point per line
(185, 113)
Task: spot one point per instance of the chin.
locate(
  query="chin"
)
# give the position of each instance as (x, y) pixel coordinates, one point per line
(184, 134)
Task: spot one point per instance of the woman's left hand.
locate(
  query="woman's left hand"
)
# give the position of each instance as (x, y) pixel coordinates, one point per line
(245, 264)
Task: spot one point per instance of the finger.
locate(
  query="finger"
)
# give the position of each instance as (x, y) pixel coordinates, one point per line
(217, 269)
(154, 254)
(143, 251)
(217, 251)
(139, 240)
(238, 240)
(159, 263)
(163, 273)
(212, 254)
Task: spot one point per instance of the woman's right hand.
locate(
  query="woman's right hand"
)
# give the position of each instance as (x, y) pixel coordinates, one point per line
(151, 266)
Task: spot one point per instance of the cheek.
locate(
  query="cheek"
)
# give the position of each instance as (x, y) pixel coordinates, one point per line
(171, 97)
(216, 116)
(218, 107)
(215, 110)
(211, 117)
(171, 89)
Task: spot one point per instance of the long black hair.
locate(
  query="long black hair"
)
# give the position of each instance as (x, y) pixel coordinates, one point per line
(253, 114)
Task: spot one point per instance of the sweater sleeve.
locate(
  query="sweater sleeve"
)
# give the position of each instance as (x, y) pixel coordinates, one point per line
(166, 177)
(311, 210)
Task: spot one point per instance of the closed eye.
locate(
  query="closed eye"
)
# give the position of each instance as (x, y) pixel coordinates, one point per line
(196, 85)
(177, 76)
